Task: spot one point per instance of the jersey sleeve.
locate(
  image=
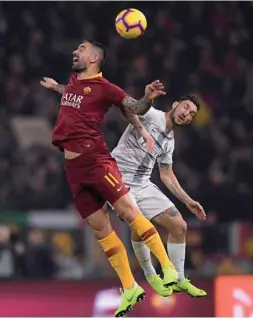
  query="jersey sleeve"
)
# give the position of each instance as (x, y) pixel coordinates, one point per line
(115, 94)
(149, 114)
(167, 156)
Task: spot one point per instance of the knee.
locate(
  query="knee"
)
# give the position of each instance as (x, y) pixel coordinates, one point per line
(126, 209)
(101, 229)
(179, 230)
(129, 213)
(102, 233)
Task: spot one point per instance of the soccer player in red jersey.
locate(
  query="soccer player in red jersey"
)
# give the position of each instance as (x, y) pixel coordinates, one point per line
(92, 172)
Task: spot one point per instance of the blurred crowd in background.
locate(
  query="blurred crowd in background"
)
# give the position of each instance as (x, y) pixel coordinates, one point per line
(201, 48)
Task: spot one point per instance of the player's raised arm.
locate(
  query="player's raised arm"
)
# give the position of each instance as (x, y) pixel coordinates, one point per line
(169, 179)
(50, 83)
(140, 107)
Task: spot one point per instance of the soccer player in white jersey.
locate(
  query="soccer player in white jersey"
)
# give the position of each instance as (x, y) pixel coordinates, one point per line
(136, 166)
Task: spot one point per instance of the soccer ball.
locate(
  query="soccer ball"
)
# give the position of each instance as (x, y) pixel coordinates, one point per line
(130, 23)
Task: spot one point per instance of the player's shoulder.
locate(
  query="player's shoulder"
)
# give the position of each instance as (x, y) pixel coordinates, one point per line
(157, 112)
(111, 87)
(155, 115)
(104, 80)
(107, 84)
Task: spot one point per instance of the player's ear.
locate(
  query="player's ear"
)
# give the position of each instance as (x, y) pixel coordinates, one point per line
(94, 57)
(174, 105)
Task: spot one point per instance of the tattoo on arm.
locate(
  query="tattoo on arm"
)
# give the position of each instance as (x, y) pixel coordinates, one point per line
(132, 118)
(174, 189)
(59, 88)
(173, 211)
(172, 183)
(164, 168)
(138, 107)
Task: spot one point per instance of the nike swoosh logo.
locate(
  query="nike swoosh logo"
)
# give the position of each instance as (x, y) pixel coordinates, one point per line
(132, 296)
(145, 260)
(119, 188)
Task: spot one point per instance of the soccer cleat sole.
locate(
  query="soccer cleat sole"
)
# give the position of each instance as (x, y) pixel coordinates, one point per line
(197, 296)
(122, 313)
(139, 299)
(182, 292)
(179, 292)
(169, 284)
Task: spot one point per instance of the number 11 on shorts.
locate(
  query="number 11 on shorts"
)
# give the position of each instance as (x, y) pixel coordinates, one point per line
(112, 180)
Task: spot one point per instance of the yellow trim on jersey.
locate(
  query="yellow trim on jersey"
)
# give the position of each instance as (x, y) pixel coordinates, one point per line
(94, 76)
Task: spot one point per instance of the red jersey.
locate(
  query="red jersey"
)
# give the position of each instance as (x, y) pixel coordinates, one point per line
(82, 110)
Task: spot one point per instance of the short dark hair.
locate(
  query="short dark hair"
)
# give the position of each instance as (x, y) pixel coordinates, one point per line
(192, 98)
(102, 48)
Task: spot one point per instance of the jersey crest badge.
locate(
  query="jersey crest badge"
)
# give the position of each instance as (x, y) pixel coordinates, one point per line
(87, 90)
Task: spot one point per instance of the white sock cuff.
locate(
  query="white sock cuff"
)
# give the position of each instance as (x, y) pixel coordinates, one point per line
(138, 245)
(176, 244)
(177, 256)
(143, 256)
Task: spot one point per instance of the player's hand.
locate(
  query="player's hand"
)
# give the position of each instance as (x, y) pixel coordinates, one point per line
(48, 83)
(154, 90)
(150, 143)
(196, 209)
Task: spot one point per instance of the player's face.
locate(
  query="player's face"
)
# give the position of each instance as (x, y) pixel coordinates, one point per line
(183, 112)
(82, 57)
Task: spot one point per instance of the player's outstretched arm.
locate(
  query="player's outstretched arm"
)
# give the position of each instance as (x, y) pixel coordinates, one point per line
(50, 83)
(135, 121)
(170, 180)
(140, 107)
(59, 88)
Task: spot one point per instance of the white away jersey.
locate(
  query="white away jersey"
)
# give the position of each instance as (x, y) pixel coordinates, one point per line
(134, 162)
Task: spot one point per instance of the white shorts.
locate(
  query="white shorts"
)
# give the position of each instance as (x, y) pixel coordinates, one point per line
(150, 200)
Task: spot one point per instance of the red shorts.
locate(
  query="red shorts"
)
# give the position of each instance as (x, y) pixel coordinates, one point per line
(92, 185)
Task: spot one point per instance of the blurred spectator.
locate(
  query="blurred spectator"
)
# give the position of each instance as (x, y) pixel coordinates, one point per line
(66, 257)
(38, 256)
(6, 258)
(18, 250)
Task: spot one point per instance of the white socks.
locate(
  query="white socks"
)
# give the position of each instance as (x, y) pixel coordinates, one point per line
(143, 256)
(177, 256)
